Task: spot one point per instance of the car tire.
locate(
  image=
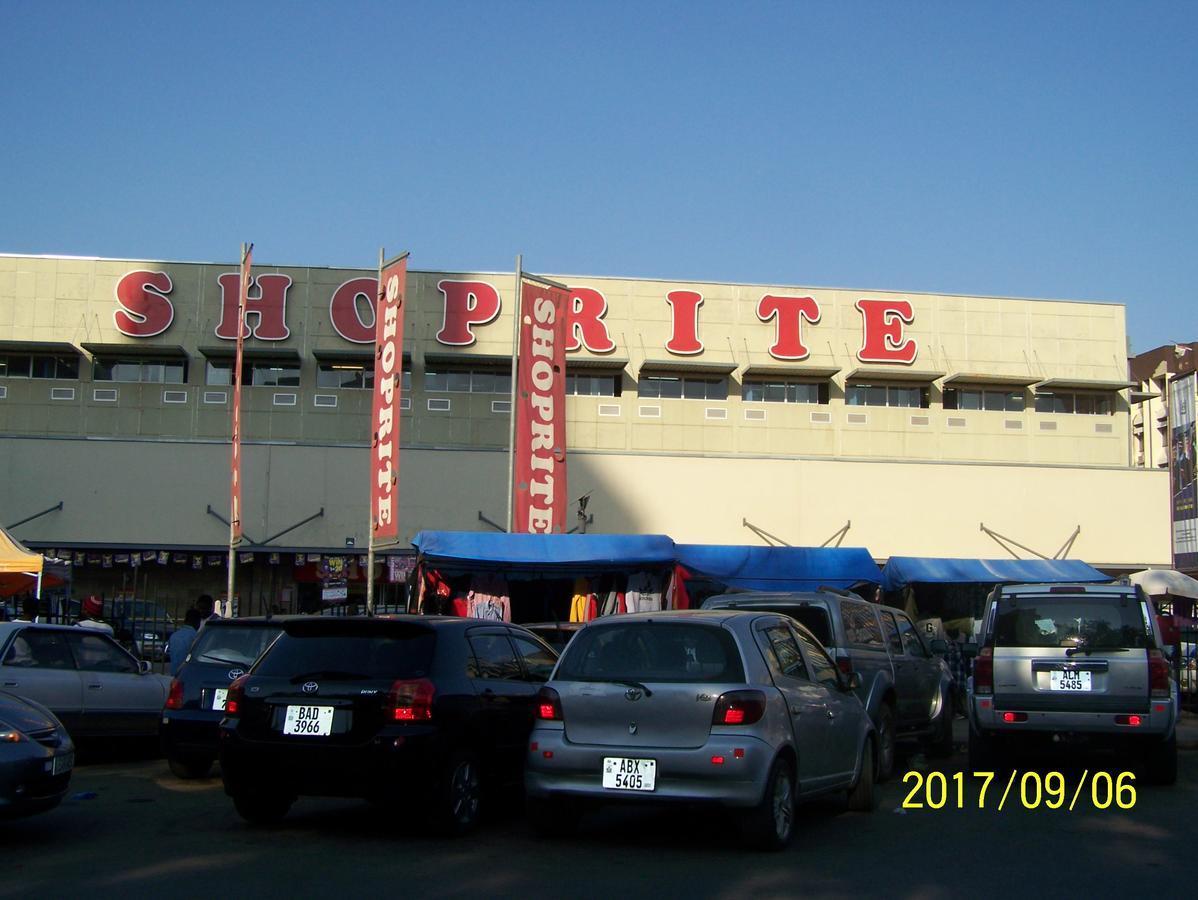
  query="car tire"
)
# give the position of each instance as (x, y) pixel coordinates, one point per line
(981, 752)
(862, 797)
(886, 732)
(552, 817)
(262, 807)
(1160, 762)
(770, 824)
(458, 800)
(941, 744)
(189, 767)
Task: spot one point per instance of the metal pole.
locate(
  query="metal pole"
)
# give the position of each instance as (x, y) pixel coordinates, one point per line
(234, 514)
(511, 435)
(373, 438)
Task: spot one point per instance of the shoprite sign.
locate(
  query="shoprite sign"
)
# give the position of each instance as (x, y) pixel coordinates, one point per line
(144, 310)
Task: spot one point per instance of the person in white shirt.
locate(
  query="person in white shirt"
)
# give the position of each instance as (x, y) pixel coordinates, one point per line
(90, 611)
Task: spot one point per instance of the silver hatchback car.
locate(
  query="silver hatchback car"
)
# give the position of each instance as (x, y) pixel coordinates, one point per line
(740, 709)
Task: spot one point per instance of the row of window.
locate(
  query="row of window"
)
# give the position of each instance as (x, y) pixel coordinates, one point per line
(360, 376)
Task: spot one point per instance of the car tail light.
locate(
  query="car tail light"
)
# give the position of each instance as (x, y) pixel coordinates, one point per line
(174, 700)
(549, 705)
(1158, 674)
(411, 700)
(1014, 717)
(236, 696)
(844, 664)
(983, 672)
(738, 708)
(1133, 721)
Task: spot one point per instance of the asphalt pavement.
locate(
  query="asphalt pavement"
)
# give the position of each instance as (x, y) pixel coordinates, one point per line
(131, 829)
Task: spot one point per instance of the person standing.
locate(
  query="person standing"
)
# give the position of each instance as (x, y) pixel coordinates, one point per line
(206, 607)
(90, 612)
(179, 643)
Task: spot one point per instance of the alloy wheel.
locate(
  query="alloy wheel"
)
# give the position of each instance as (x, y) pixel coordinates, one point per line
(464, 792)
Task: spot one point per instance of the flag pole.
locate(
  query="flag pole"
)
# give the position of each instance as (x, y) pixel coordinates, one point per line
(511, 435)
(373, 442)
(235, 473)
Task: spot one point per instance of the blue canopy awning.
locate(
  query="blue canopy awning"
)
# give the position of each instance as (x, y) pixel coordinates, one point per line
(780, 568)
(901, 571)
(545, 551)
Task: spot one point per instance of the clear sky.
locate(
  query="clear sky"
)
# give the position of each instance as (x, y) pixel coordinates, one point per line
(1042, 149)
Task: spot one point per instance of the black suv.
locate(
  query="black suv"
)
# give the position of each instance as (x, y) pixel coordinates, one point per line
(423, 711)
(222, 652)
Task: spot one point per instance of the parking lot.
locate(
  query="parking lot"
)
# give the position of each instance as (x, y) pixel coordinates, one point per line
(128, 826)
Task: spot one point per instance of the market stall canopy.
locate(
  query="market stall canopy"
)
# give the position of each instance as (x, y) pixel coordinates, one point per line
(1159, 582)
(544, 551)
(901, 571)
(16, 557)
(780, 568)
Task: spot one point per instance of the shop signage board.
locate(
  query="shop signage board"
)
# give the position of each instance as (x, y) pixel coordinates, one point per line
(384, 482)
(539, 497)
(1183, 433)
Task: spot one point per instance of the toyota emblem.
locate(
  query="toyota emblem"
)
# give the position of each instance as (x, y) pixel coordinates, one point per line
(632, 694)
(311, 687)
(234, 674)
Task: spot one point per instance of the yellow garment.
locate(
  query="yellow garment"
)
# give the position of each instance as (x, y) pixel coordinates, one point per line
(578, 603)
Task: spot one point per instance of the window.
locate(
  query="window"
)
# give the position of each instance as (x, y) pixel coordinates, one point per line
(494, 657)
(821, 664)
(913, 396)
(911, 642)
(98, 654)
(1068, 402)
(275, 374)
(666, 652)
(538, 661)
(892, 635)
(980, 398)
(233, 644)
(786, 651)
(220, 372)
(784, 391)
(345, 375)
(370, 650)
(36, 649)
(25, 365)
(469, 381)
(1100, 623)
(156, 371)
(684, 387)
(860, 625)
(584, 385)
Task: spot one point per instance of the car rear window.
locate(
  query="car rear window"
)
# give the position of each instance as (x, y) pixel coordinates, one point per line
(1096, 622)
(232, 645)
(358, 653)
(653, 652)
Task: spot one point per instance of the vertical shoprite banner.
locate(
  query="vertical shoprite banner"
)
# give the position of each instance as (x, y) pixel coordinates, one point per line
(1183, 433)
(388, 365)
(235, 461)
(540, 500)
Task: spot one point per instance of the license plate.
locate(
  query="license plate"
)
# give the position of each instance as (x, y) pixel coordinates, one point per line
(622, 774)
(1069, 681)
(309, 720)
(218, 698)
(63, 762)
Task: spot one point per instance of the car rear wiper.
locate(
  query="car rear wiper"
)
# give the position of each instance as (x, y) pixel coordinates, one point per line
(329, 673)
(1089, 650)
(625, 681)
(204, 657)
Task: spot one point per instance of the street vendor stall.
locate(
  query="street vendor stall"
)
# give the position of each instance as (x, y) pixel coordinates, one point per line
(540, 578)
(1174, 596)
(730, 567)
(20, 568)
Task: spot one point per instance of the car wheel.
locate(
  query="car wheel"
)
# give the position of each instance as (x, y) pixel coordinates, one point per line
(189, 766)
(459, 795)
(981, 752)
(770, 824)
(861, 795)
(1160, 762)
(261, 807)
(941, 745)
(552, 817)
(886, 740)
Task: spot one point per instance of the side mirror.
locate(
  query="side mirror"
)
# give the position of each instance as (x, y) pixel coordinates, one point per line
(854, 681)
(939, 646)
(969, 651)
(143, 666)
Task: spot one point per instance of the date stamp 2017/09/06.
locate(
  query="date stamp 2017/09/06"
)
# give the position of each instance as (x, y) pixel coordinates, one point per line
(1029, 790)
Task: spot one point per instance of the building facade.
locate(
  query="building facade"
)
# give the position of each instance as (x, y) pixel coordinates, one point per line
(911, 424)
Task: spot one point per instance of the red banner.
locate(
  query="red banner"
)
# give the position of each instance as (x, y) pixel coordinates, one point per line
(540, 458)
(235, 462)
(388, 365)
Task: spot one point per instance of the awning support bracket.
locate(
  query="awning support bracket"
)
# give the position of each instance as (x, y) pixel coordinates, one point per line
(315, 515)
(35, 516)
(1002, 541)
(839, 535)
(771, 539)
(212, 512)
(493, 524)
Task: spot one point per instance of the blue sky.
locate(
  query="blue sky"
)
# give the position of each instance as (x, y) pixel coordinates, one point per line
(1011, 149)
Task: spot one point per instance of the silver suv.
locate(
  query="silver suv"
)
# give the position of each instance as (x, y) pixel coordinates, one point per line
(1073, 665)
(905, 686)
(739, 709)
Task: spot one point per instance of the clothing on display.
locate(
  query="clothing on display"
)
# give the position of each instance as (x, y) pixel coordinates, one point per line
(643, 594)
(584, 604)
(489, 599)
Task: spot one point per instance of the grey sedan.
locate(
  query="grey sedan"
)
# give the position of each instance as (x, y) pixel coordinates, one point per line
(740, 709)
(91, 683)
